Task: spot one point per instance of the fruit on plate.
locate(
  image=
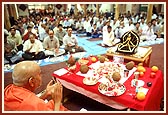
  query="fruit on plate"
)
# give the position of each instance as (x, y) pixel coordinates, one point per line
(140, 64)
(129, 65)
(140, 96)
(89, 81)
(152, 74)
(154, 68)
(71, 61)
(93, 59)
(84, 69)
(116, 76)
(72, 68)
(101, 59)
(83, 61)
(141, 69)
(141, 74)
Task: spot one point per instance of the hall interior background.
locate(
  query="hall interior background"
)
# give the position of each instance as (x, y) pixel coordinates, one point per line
(13, 11)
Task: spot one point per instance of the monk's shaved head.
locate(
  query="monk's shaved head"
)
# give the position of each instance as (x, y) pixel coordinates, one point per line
(23, 71)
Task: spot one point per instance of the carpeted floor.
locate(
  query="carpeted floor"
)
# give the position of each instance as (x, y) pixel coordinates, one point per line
(105, 46)
(74, 103)
(95, 39)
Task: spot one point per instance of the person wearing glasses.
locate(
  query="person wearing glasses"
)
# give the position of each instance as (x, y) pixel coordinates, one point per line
(52, 46)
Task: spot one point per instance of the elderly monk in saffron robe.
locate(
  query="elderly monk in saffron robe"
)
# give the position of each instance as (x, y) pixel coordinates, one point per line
(19, 96)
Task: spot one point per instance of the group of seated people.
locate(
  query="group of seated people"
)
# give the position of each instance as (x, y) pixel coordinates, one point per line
(34, 49)
(146, 31)
(41, 37)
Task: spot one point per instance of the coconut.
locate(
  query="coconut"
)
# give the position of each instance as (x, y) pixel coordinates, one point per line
(84, 69)
(101, 59)
(71, 61)
(116, 76)
(129, 65)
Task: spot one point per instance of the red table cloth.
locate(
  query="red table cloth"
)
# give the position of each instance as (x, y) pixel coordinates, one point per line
(153, 96)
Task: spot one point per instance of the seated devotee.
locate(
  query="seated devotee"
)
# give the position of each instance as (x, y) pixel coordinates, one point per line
(16, 29)
(147, 33)
(70, 42)
(60, 33)
(56, 26)
(109, 39)
(138, 29)
(20, 95)
(130, 26)
(100, 24)
(51, 45)
(20, 27)
(16, 38)
(161, 31)
(155, 26)
(72, 20)
(87, 26)
(33, 49)
(28, 31)
(66, 23)
(119, 31)
(11, 55)
(80, 26)
(95, 32)
(143, 23)
(42, 32)
(115, 23)
(107, 23)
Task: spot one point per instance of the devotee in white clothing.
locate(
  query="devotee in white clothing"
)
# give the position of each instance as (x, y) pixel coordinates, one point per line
(148, 33)
(100, 24)
(143, 23)
(115, 23)
(109, 39)
(105, 31)
(119, 31)
(33, 49)
(80, 26)
(70, 42)
(87, 26)
(43, 32)
(130, 25)
(67, 23)
(138, 29)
